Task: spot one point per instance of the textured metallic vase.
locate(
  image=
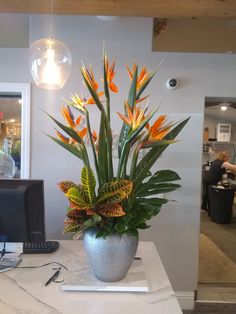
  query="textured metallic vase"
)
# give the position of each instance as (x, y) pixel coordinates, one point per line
(110, 258)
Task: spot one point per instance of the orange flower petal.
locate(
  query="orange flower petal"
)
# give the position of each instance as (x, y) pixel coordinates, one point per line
(157, 124)
(94, 135)
(83, 132)
(124, 118)
(63, 138)
(113, 87)
(77, 122)
(66, 114)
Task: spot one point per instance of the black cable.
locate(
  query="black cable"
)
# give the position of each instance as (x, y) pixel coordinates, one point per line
(38, 266)
(3, 250)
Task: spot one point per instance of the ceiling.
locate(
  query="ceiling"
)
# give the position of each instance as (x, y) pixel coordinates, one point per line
(215, 111)
(148, 8)
(188, 9)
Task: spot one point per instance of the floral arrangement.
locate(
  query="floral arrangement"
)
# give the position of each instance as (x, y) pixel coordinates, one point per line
(120, 200)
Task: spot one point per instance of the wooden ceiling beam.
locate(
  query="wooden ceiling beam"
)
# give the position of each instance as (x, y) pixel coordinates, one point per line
(148, 8)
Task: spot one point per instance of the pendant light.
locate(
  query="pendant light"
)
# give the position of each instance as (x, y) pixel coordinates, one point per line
(50, 61)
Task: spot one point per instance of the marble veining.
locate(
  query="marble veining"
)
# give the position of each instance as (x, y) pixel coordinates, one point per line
(27, 302)
(23, 291)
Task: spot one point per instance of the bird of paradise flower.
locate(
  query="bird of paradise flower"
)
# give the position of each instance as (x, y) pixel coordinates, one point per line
(126, 197)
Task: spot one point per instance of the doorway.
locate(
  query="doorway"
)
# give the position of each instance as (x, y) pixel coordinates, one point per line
(217, 254)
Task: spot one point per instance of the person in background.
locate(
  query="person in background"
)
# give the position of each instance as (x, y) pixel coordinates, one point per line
(218, 167)
(3, 134)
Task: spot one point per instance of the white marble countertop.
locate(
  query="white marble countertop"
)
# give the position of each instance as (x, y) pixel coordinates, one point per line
(23, 291)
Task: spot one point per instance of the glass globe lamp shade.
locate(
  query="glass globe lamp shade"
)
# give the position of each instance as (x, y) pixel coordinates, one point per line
(50, 63)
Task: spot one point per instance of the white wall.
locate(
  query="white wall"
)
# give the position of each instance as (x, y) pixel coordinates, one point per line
(175, 230)
(211, 122)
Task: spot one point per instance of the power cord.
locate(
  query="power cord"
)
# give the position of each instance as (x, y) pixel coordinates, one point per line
(43, 265)
(3, 250)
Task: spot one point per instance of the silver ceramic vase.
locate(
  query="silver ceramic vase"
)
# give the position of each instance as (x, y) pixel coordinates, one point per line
(110, 258)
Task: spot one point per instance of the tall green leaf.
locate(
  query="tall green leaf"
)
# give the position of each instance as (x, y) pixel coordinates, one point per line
(71, 148)
(106, 89)
(102, 150)
(68, 130)
(143, 87)
(93, 93)
(131, 101)
(133, 90)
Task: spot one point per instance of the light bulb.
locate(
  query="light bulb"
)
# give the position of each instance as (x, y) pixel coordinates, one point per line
(223, 108)
(51, 72)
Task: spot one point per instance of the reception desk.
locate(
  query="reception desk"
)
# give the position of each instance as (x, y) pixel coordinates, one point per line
(23, 290)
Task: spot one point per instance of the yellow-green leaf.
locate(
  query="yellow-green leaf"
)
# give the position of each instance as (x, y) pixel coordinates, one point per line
(115, 192)
(89, 183)
(78, 196)
(72, 227)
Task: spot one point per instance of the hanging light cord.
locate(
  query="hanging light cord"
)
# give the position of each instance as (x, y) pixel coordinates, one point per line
(51, 17)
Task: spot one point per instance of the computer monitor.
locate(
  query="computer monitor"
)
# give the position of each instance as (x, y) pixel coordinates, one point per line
(22, 210)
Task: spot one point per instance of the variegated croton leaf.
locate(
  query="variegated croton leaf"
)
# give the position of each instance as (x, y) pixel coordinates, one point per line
(115, 191)
(89, 183)
(110, 210)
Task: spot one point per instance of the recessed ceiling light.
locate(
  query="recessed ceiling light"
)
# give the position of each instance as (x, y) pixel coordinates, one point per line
(223, 108)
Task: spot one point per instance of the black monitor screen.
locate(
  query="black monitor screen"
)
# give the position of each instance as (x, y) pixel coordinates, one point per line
(22, 211)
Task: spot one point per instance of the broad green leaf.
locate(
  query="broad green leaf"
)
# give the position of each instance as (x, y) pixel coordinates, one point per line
(89, 183)
(89, 223)
(115, 192)
(164, 176)
(156, 189)
(156, 200)
(78, 196)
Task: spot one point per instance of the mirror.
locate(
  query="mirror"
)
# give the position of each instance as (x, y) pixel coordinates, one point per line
(15, 124)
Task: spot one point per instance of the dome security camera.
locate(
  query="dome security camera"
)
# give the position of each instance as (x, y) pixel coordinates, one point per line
(172, 83)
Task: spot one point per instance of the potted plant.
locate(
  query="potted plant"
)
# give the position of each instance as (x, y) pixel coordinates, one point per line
(110, 205)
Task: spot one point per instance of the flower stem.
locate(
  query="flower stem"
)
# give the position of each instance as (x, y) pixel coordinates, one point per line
(134, 162)
(122, 161)
(93, 148)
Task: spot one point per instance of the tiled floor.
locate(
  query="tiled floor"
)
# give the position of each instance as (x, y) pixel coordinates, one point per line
(215, 298)
(224, 236)
(224, 293)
